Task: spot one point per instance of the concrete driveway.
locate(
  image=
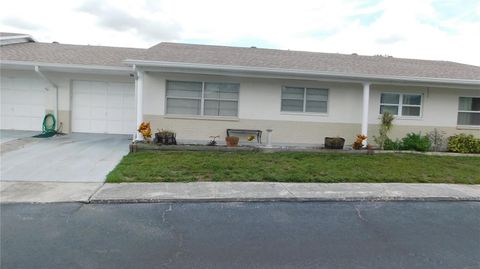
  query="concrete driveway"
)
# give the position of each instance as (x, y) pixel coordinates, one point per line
(70, 158)
(10, 135)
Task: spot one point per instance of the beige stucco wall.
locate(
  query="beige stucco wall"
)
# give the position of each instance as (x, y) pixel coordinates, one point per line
(259, 108)
(285, 132)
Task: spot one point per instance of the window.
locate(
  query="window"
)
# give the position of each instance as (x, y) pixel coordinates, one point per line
(469, 111)
(202, 98)
(184, 97)
(221, 99)
(408, 105)
(297, 99)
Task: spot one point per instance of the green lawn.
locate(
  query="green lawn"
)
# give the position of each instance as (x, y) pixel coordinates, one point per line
(294, 167)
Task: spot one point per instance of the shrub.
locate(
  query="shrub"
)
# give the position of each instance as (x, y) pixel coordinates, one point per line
(416, 142)
(392, 145)
(464, 143)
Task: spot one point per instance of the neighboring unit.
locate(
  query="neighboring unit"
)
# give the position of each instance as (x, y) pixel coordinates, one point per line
(199, 91)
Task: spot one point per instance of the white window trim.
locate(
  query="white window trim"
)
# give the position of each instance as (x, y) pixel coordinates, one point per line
(198, 117)
(467, 111)
(202, 102)
(400, 105)
(304, 112)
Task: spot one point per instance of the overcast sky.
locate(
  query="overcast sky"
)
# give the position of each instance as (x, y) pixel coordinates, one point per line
(426, 29)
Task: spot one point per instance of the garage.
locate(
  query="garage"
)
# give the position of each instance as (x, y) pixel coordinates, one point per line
(23, 102)
(103, 107)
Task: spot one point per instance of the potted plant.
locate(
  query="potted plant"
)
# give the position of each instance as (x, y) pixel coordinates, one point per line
(213, 142)
(334, 142)
(145, 130)
(232, 141)
(358, 144)
(165, 137)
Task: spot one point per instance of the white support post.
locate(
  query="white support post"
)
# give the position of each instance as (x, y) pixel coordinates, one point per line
(366, 99)
(139, 97)
(269, 138)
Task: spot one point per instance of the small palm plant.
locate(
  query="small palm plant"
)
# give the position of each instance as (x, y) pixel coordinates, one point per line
(386, 124)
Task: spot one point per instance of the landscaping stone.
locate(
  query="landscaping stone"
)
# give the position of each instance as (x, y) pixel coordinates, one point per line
(262, 148)
(152, 147)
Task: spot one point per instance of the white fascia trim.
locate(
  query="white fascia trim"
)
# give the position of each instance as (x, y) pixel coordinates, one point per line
(18, 37)
(280, 71)
(65, 67)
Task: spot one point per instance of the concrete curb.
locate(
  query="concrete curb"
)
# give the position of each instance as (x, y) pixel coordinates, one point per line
(299, 200)
(205, 192)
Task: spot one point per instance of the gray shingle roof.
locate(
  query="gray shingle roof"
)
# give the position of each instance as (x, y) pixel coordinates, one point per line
(68, 54)
(311, 61)
(237, 56)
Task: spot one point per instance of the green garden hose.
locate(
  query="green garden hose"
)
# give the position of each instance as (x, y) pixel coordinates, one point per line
(48, 126)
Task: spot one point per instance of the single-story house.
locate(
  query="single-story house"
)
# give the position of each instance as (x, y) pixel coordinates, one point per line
(199, 91)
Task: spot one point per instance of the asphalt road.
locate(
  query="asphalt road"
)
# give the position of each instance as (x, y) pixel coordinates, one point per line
(242, 235)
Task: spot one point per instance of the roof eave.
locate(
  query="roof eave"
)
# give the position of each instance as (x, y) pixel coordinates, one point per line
(246, 70)
(29, 37)
(58, 67)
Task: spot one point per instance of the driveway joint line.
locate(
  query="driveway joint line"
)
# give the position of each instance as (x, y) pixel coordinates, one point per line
(288, 190)
(88, 201)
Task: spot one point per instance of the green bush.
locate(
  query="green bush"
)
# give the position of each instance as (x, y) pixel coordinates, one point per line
(389, 144)
(416, 142)
(464, 143)
(412, 141)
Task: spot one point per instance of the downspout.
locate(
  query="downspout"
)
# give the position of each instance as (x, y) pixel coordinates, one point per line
(42, 75)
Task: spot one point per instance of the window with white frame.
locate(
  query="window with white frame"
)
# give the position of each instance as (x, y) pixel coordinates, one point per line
(401, 104)
(469, 111)
(299, 99)
(202, 98)
(221, 99)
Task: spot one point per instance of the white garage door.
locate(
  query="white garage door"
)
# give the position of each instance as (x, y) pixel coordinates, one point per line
(103, 107)
(23, 103)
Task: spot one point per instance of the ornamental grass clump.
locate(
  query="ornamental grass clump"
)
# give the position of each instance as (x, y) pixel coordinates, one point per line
(437, 138)
(386, 124)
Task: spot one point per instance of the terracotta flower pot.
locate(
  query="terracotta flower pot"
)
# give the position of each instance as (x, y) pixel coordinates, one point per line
(232, 141)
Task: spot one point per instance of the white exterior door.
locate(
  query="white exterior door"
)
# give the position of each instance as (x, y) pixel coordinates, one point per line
(22, 103)
(103, 107)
